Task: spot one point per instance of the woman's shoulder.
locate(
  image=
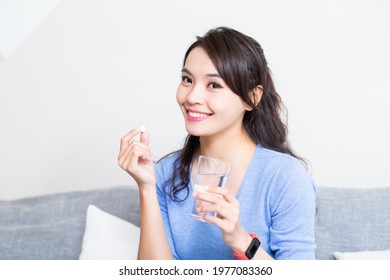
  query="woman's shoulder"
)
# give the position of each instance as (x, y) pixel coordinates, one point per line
(283, 168)
(165, 166)
(168, 159)
(276, 159)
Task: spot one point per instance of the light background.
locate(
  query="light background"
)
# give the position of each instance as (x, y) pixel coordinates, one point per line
(76, 75)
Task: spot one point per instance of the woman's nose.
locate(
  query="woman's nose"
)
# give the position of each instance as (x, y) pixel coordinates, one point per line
(196, 95)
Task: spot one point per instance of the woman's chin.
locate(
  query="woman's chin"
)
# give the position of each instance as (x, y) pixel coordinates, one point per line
(194, 132)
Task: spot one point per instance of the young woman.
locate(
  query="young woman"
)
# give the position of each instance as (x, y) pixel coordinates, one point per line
(232, 112)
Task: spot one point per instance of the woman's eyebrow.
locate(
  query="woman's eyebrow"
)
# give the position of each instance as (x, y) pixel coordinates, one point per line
(185, 70)
(207, 75)
(214, 75)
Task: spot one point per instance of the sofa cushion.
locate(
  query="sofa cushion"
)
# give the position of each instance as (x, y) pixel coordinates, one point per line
(363, 255)
(52, 226)
(108, 237)
(352, 220)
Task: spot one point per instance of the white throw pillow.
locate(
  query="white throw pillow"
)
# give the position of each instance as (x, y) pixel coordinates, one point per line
(107, 237)
(363, 255)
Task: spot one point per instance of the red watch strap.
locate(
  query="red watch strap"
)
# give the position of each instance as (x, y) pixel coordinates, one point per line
(243, 256)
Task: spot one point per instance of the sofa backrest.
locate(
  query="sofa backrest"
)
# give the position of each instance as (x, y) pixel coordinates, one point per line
(352, 220)
(52, 226)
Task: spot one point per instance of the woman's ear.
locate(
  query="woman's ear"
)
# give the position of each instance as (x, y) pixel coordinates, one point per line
(255, 96)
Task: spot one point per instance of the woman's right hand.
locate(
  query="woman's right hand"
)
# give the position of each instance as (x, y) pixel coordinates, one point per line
(135, 158)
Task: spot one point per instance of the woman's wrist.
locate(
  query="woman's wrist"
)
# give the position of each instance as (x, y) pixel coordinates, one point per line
(147, 189)
(241, 242)
(241, 245)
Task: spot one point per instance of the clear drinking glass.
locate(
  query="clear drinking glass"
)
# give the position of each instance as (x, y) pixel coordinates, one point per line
(211, 172)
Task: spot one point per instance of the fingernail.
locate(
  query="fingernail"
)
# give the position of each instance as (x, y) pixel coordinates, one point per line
(142, 128)
(206, 188)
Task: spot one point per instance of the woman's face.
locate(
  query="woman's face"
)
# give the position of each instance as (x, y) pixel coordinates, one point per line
(208, 105)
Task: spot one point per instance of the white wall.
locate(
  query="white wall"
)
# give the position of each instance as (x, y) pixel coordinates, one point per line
(92, 70)
(18, 18)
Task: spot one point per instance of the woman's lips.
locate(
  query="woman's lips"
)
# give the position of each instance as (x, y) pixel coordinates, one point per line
(197, 116)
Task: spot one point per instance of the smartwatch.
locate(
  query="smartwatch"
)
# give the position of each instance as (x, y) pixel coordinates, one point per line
(252, 249)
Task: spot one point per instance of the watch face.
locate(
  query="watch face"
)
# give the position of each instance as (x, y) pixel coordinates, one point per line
(252, 249)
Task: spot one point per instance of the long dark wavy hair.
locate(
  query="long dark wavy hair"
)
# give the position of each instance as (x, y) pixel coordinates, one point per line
(240, 61)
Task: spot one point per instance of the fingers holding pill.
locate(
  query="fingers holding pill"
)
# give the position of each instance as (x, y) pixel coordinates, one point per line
(144, 137)
(135, 156)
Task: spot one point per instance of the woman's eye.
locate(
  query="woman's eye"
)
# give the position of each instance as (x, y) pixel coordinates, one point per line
(186, 80)
(214, 85)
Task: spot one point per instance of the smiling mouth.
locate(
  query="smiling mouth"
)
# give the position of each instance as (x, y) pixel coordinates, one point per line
(197, 116)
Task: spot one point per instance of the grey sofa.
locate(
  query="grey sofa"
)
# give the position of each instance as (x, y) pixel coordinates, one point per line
(52, 226)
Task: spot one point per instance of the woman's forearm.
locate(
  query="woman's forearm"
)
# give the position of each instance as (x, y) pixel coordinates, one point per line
(153, 240)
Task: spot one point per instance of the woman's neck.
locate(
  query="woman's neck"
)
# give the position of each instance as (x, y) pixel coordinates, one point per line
(229, 149)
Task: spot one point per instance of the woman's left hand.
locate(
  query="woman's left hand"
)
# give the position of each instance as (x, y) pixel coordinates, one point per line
(227, 219)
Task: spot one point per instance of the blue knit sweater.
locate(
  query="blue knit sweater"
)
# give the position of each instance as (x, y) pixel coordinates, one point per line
(277, 202)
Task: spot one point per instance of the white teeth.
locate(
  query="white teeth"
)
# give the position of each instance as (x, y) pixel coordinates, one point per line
(197, 115)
